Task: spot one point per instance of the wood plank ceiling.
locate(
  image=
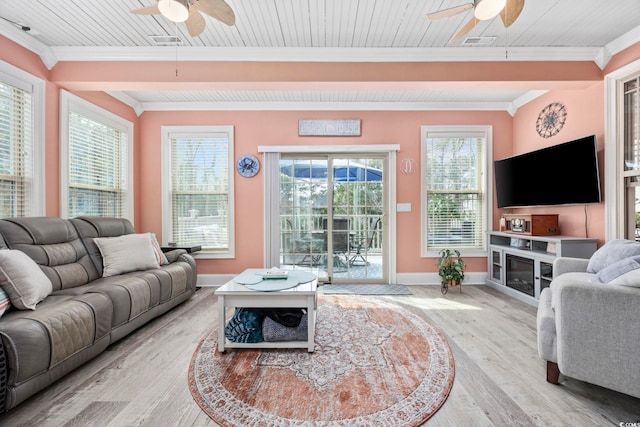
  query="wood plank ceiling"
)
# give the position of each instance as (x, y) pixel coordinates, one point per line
(332, 30)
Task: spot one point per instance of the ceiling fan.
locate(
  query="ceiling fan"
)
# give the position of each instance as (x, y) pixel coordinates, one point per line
(189, 12)
(509, 10)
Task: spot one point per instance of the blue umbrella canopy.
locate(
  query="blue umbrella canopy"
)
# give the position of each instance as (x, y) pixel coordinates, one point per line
(342, 171)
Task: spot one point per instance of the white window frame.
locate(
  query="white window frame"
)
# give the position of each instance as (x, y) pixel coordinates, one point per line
(16, 77)
(70, 102)
(167, 132)
(614, 180)
(487, 208)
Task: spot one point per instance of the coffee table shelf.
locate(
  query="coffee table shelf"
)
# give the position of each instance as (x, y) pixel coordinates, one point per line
(232, 295)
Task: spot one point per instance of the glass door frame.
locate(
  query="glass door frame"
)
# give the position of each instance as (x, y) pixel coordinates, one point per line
(271, 163)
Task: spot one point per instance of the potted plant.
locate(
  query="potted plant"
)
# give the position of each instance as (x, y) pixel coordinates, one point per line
(450, 268)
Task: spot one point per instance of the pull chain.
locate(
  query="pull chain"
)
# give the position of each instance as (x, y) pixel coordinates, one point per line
(176, 49)
(506, 32)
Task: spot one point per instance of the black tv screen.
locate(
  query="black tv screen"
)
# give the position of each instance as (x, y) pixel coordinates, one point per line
(561, 174)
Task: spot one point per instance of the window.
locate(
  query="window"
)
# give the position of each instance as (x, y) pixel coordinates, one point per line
(621, 152)
(21, 147)
(96, 160)
(454, 182)
(631, 143)
(198, 188)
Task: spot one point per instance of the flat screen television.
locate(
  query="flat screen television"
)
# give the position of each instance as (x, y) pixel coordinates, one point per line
(562, 174)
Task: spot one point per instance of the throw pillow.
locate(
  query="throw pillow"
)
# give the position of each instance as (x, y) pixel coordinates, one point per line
(22, 279)
(126, 253)
(160, 256)
(630, 278)
(617, 269)
(612, 252)
(5, 302)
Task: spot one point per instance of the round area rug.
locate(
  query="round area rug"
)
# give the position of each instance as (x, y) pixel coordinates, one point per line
(374, 363)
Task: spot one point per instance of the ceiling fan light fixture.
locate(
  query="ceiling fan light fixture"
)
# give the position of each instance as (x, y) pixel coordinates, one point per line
(488, 9)
(174, 10)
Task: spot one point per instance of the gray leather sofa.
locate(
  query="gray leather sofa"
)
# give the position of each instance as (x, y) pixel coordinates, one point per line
(589, 329)
(85, 312)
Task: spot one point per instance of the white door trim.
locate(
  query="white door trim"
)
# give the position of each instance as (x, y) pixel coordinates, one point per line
(390, 149)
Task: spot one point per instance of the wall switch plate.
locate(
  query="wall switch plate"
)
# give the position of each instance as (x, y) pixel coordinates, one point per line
(403, 207)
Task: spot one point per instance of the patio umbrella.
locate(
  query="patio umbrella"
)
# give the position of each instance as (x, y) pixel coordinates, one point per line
(343, 171)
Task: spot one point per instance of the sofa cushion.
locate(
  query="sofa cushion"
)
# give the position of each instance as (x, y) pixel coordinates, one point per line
(54, 245)
(612, 252)
(61, 327)
(123, 254)
(22, 279)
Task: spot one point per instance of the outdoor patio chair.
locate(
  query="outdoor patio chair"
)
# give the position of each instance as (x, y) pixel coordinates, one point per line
(360, 245)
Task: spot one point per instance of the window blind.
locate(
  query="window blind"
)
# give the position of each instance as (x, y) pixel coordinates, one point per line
(97, 168)
(454, 190)
(200, 191)
(16, 151)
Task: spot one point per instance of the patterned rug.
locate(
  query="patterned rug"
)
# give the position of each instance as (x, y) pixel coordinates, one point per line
(366, 289)
(374, 363)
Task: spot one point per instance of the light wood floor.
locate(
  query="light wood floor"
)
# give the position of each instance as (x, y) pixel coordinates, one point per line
(500, 381)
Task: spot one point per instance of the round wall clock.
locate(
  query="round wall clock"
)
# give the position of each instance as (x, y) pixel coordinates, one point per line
(248, 165)
(551, 119)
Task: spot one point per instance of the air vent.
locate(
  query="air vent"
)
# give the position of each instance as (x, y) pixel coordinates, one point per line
(478, 41)
(166, 40)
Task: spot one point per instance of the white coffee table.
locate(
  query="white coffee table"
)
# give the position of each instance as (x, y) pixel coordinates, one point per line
(233, 294)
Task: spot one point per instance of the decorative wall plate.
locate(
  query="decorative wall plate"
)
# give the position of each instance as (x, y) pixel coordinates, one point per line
(248, 165)
(551, 120)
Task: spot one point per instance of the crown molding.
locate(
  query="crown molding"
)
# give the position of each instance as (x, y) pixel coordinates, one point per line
(318, 106)
(315, 54)
(128, 100)
(51, 55)
(29, 42)
(618, 45)
(525, 99)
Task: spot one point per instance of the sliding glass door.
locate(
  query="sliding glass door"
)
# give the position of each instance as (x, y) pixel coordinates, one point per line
(332, 211)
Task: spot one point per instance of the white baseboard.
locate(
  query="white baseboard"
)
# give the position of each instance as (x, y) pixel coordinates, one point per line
(214, 279)
(471, 278)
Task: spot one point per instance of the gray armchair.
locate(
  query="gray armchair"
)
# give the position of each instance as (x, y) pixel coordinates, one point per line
(588, 330)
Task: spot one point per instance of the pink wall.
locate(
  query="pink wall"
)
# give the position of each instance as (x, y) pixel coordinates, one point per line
(623, 58)
(585, 103)
(585, 116)
(26, 60)
(281, 128)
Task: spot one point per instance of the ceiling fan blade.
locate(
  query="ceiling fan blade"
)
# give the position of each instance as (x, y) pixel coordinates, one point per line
(511, 11)
(217, 9)
(464, 30)
(149, 10)
(445, 13)
(195, 22)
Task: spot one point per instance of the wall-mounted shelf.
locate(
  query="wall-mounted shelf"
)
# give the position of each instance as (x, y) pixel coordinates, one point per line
(522, 265)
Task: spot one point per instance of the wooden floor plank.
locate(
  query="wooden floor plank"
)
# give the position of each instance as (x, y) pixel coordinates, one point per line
(142, 379)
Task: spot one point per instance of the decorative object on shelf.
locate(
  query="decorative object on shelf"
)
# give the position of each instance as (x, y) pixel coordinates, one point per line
(451, 269)
(330, 127)
(248, 165)
(533, 225)
(551, 119)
